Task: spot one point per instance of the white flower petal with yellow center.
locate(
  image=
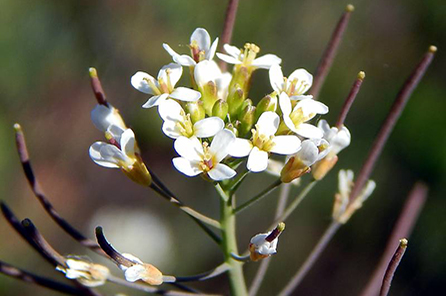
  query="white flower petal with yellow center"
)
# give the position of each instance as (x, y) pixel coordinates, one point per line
(296, 118)
(111, 156)
(177, 123)
(294, 86)
(263, 142)
(312, 151)
(164, 86)
(248, 57)
(338, 139)
(196, 158)
(201, 49)
(105, 116)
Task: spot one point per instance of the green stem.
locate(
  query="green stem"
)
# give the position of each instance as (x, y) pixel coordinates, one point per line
(258, 196)
(229, 244)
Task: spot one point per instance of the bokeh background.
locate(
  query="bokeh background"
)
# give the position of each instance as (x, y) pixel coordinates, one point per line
(46, 49)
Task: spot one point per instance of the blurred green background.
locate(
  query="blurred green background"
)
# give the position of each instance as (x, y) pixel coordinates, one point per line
(46, 48)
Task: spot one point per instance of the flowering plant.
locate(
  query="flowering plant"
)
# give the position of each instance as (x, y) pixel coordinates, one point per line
(221, 133)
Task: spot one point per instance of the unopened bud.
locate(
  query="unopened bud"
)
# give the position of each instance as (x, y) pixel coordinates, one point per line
(293, 169)
(246, 118)
(138, 173)
(209, 96)
(196, 111)
(322, 167)
(220, 109)
(268, 103)
(235, 100)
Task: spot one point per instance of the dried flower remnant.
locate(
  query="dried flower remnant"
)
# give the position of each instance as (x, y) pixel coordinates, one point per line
(139, 270)
(264, 245)
(87, 273)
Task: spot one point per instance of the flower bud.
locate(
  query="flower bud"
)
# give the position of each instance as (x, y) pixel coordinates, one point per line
(220, 109)
(246, 118)
(196, 110)
(209, 96)
(268, 103)
(235, 100)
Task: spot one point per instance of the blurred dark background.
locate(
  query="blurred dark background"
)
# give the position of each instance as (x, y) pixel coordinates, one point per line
(46, 49)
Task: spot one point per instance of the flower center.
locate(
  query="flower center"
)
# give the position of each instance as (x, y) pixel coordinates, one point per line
(185, 126)
(261, 141)
(208, 161)
(298, 117)
(296, 87)
(250, 53)
(197, 53)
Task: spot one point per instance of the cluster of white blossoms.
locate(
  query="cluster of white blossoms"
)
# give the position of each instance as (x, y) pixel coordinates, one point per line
(214, 120)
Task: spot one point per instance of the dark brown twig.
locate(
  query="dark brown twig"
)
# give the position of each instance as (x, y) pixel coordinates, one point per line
(393, 265)
(402, 228)
(38, 280)
(97, 87)
(40, 195)
(228, 27)
(330, 52)
(350, 99)
(389, 123)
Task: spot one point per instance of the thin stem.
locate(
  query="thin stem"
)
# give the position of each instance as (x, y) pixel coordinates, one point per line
(330, 52)
(350, 99)
(229, 246)
(389, 123)
(38, 280)
(228, 27)
(403, 228)
(241, 258)
(264, 265)
(393, 265)
(219, 270)
(259, 196)
(199, 218)
(40, 195)
(309, 262)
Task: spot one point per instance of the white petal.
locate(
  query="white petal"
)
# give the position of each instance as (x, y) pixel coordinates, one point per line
(139, 81)
(132, 258)
(268, 123)
(228, 59)
(311, 106)
(111, 154)
(276, 78)
(95, 154)
(185, 94)
(103, 117)
(206, 71)
(232, 50)
(257, 160)
(171, 129)
(308, 131)
(128, 142)
(211, 52)
(285, 104)
(221, 172)
(77, 264)
(309, 152)
(175, 72)
(302, 76)
(221, 144)
(116, 132)
(133, 273)
(189, 148)
(184, 60)
(169, 50)
(170, 110)
(286, 145)
(202, 38)
(208, 127)
(301, 97)
(155, 101)
(189, 168)
(240, 147)
(266, 61)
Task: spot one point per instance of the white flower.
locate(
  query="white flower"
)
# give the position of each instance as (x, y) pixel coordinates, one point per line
(177, 123)
(343, 207)
(208, 71)
(105, 116)
(197, 158)
(264, 245)
(263, 142)
(201, 49)
(141, 271)
(296, 118)
(164, 86)
(87, 273)
(122, 153)
(294, 86)
(247, 57)
(338, 139)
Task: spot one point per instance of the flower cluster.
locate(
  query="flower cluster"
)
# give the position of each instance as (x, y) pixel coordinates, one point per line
(214, 120)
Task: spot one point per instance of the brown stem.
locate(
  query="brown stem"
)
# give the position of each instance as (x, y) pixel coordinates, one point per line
(403, 228)
(38, 280)
(309, 262)
(389, 123)
(40, 195)
(350, 99)
(228, 27)
(330, 52)
(97, 87)
(393, 265)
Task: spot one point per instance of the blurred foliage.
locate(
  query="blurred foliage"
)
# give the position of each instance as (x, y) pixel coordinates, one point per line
(46, 47)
